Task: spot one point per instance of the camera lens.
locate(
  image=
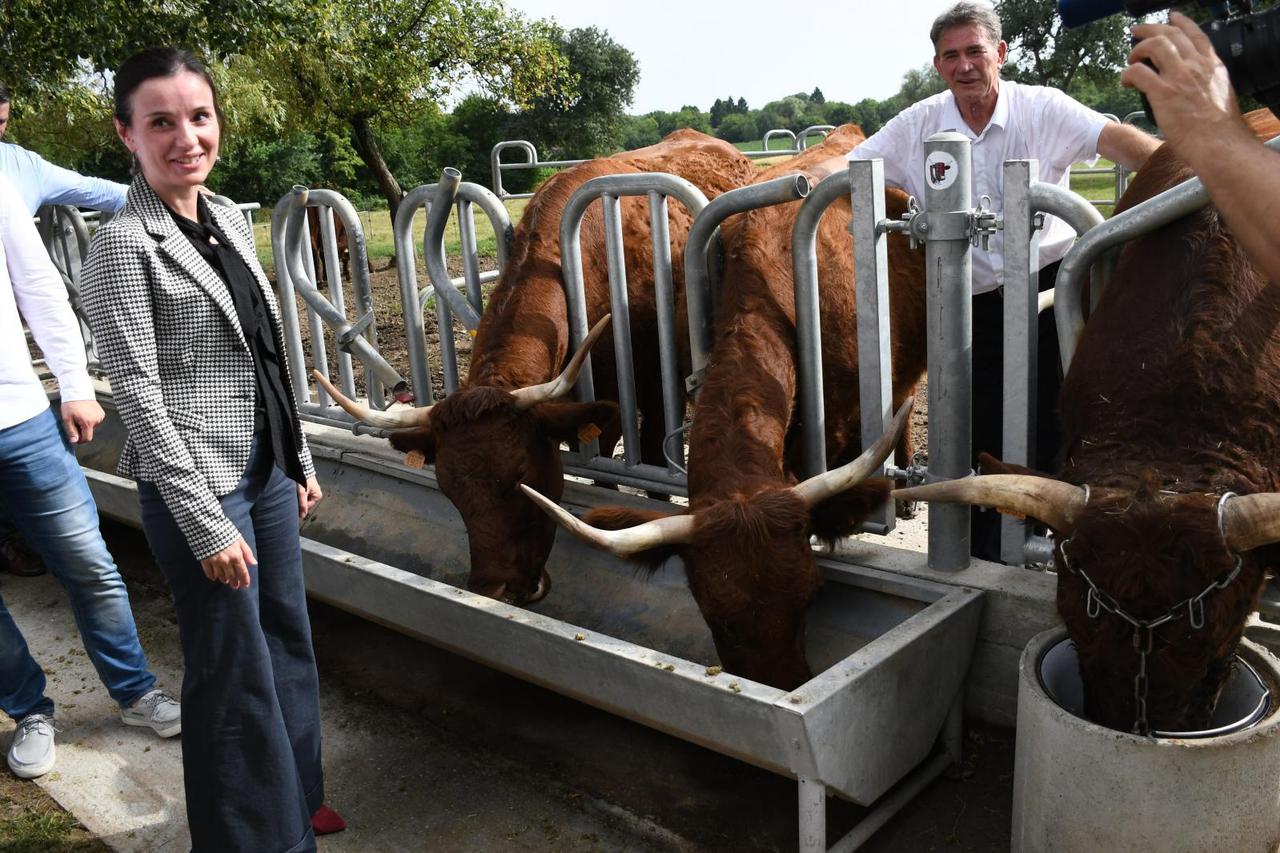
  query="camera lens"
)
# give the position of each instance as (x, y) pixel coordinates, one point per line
(1250, 48)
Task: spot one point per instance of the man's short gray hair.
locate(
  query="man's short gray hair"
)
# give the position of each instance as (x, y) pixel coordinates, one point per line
(964, 14)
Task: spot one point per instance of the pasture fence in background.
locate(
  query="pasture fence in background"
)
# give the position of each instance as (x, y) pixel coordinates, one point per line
(797, 143)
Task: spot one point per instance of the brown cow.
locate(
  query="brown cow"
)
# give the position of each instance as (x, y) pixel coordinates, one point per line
(1171, 403)
(482, 439)
(745, 542)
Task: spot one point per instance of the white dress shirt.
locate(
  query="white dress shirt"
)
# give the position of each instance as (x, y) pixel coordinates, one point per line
(1030, 122)
(30, 284)
(40, 182)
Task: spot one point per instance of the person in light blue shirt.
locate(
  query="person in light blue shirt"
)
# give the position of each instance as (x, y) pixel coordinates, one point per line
(39, 182)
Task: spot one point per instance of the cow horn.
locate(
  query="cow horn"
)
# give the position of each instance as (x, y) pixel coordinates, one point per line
(403, 419)
(1052, 501)
(527, 398)
(817, 489)
(672, 530)
(1250, 521)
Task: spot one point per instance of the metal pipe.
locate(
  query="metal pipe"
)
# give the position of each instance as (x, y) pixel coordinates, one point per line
(373, 361)
(665, 295)
(1156, 212)
(813, 815)
(358, 258)
(289, 304)
(802, 138)
(620, 304)
(700, 293)
(411, 307)
(776, 133)
(437, 269)
(949, 269)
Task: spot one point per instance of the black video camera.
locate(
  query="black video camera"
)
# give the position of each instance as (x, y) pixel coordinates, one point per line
(1248, 43)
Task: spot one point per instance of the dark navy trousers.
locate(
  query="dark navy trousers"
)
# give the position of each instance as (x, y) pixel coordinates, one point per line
(250, 699)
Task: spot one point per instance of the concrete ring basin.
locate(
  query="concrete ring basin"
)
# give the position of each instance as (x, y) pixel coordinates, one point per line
(1081, 786)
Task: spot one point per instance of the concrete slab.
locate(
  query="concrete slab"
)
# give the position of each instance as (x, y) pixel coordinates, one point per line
(401, 785)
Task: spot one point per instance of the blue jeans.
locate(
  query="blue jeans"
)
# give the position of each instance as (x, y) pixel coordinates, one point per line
(44, 494)
(250, 695)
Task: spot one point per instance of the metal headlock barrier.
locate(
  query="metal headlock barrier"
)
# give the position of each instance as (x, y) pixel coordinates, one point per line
(610, 189)
(797, 143)
(295, 275)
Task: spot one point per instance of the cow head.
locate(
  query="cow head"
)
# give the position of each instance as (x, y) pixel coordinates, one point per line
(748, 557)
(1147, 552)
(509, 538)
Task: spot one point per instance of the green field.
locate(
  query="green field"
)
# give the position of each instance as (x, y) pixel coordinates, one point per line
(377, 232)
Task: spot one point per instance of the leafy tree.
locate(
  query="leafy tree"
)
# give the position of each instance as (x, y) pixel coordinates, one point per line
(639, 131)
(817, 97)
(372, 64)
(741, 105)
(1044, 52)
(738, 127)
(588, 124)
(920, 83)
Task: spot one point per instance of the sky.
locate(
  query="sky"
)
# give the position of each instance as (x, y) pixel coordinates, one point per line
(695, 51)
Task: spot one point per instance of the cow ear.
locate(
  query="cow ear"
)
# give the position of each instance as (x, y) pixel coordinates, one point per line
(621, 518)
(988, 464)
(421, 439)
(840, 514)
(572, 422)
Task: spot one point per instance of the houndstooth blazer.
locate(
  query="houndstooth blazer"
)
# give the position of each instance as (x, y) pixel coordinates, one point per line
(180, 368)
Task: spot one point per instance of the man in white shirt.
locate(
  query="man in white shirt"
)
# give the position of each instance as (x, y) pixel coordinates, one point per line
(1005, 121)
(44, 492)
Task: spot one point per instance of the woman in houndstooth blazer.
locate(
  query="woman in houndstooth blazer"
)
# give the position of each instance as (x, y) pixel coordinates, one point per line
(189, 332)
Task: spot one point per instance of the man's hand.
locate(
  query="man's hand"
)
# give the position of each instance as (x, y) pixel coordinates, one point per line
(308, 497)
(79, 417)
(1189, 89)
(229, 565)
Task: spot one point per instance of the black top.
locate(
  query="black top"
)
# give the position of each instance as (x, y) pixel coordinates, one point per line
(273, 410)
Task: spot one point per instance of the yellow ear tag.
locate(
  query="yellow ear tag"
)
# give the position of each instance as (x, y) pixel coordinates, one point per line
(588, 433)
(472, 332)
(1021, 516)
(415, 459)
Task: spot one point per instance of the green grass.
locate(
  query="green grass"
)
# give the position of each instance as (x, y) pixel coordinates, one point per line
(378, 239)
(41, 832)
(1096, 187)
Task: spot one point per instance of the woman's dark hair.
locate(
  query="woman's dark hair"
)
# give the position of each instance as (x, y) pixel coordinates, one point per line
(157, 62)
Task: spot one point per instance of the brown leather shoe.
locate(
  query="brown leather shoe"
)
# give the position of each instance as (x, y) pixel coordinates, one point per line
(17, 558)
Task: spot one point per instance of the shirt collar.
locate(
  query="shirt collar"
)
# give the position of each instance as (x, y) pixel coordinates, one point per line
(952, 120)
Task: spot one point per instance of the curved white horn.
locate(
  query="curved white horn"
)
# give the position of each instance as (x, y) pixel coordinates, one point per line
(1251, 521)
(672, 530)
(527, 398)
(387, 420)
(817, 489)
(1052, 501)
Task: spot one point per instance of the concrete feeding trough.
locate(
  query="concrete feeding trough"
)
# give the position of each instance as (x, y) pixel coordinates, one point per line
(1081, 786)
(891, 653)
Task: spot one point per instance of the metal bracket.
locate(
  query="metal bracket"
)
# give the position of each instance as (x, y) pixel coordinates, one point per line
(913, 474)
(983, 222)
(694, 380)
(347, 335)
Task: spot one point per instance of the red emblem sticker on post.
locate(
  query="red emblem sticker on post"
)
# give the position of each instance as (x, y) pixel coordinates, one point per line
(940, 170)
(415, 459)
(588, 433)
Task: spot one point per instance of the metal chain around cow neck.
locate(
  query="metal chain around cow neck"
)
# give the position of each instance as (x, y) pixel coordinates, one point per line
(1097, 602)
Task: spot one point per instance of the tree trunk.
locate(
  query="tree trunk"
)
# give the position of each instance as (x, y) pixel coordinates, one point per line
(367, 147)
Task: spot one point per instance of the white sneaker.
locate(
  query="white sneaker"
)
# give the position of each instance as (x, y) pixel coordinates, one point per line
(32, 752)
(157, 710)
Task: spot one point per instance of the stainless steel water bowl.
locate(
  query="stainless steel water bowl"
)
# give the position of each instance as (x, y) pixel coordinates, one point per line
(1244, 701)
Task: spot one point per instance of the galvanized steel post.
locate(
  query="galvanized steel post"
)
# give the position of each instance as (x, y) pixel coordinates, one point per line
(1021, 332)
(949, 266)
(871, 270)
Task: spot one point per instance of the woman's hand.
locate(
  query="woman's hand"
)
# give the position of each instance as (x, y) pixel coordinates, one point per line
(230, 565)
(309, 496)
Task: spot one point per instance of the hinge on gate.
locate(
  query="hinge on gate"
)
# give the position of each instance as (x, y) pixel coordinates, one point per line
(355, 330)
(983, 223)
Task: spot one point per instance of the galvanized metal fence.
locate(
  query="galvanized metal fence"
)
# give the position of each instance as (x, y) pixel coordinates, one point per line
(797, 142)
(610, 189)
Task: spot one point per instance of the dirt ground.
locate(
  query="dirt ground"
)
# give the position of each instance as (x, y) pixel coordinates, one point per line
(31, 822)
